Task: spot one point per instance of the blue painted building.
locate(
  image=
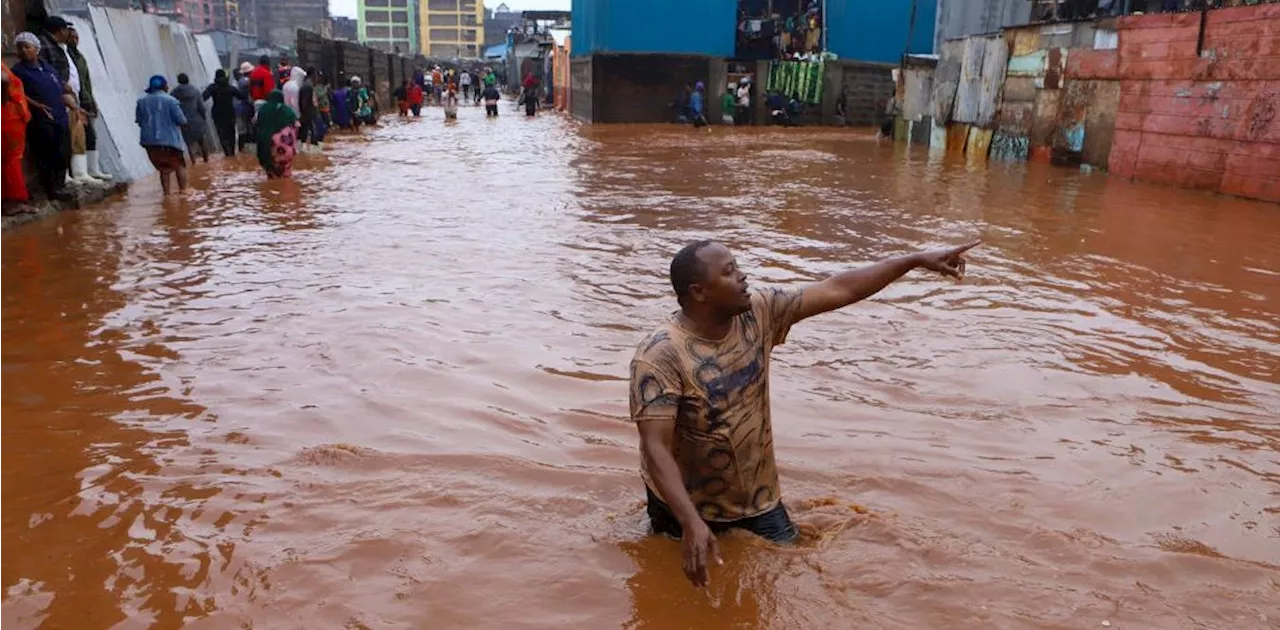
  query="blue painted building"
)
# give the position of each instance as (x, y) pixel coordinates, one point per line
(877, 31)
(680, 27)
(858, 30)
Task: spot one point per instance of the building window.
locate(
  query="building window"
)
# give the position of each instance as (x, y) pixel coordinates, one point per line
(444, 34)
(400, 32)
(375, 3)
(377, 16)
(443, 19)
(469, 35)
(400, 17)
(399, 3)
(468, 19)
(442, 5)
(377, 31)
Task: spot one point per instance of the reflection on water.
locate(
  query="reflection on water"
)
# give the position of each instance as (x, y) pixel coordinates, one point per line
(389, 393)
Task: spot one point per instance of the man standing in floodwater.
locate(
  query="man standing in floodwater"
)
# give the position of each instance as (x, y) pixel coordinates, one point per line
(700, 393)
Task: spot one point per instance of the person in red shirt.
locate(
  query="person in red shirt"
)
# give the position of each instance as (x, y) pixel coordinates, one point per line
(415, 98)
(261, 81)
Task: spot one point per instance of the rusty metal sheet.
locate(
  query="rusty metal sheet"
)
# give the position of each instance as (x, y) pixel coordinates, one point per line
(969, 93)
(946, 79)
(1054, 69)
(917, 94)
(994, 61)
(1025, 39)
(957, 137)
(979, 144)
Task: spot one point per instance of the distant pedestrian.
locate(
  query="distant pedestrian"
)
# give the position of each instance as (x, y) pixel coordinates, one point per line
(48, 139)
(680, 104)
(342, 104)
(362, 103)
(464, 80)
(415, 99)
(197, 125)
(491, 98)
(261, 82)
(401, 96)
(244, 109)
(437, 83)
(451, 103)
(728, 106)
(160, 120)
(320, 99)
(697, 105)
(225, 97)
(15, 118)
(529, 98)
(742, 114)
(277, 136)
(306, 110)
(324, 99)
(284, 71)
(292, 88)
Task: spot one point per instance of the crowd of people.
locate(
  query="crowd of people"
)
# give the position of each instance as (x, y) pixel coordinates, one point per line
(48, 110)
(447, 88)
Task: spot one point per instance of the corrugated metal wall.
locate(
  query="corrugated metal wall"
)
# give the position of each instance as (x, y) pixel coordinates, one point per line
(877, 31)
(961, 18)
(697, 27)
(130, 47)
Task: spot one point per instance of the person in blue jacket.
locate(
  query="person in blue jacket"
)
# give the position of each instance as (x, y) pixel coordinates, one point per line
(160, 121)
(698, 105)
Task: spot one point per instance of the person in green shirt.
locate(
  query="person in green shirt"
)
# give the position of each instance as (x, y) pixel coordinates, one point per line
(728, 104)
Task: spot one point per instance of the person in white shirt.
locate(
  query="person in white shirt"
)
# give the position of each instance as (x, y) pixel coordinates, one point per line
(464, 80)
(743, 113)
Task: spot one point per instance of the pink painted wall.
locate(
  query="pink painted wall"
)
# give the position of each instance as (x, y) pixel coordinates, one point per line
(1210, 121)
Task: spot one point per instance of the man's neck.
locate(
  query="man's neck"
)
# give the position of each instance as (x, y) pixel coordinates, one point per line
(706, 325)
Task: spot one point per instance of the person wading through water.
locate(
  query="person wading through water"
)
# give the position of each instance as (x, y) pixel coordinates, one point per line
(700, 393)
(160, 120)
(277, 129)
(223, 112)
(197, 126)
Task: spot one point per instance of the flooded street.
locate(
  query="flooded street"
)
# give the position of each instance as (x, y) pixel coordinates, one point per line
(391, 393)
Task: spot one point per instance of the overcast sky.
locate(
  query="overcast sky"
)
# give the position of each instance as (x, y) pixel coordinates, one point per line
(347, 8)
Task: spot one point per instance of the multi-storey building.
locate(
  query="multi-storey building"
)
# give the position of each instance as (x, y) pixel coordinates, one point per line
(451, 28)
(390, 25)
(278, 21)
(496, 24)
(205, 15)
(345, 28)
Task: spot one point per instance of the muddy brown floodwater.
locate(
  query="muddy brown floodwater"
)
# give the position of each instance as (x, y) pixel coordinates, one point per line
(391, 393)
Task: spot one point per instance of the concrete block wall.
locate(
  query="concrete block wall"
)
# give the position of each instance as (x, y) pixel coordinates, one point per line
(639, 88)
(379, 80)
(867, 87)
(1202, 121)
(581, 81)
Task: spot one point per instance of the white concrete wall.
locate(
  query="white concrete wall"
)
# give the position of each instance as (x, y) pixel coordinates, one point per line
(130, 47)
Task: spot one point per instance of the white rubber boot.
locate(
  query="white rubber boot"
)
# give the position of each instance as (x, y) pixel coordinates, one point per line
(80, 168)
(94, 170)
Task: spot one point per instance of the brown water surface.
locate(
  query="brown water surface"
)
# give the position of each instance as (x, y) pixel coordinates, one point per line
(391, 393)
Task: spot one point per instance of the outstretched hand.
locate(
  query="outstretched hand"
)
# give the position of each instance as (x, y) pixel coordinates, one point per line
(948, 261)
